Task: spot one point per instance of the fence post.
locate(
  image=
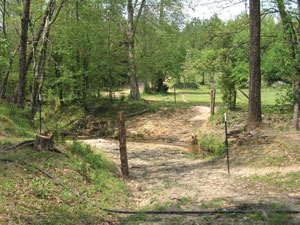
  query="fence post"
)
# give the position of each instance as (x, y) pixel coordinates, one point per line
(212, 101)
(226, 143)
(122, 140)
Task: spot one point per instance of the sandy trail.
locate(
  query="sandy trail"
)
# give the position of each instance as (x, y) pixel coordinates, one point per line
(169, 175)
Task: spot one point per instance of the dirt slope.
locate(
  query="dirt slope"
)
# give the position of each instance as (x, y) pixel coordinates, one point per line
(171, 126)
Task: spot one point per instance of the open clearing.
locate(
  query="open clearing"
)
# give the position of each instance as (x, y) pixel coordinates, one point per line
(165, 174)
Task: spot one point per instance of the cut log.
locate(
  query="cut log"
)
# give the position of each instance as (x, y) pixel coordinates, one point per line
(44, 142)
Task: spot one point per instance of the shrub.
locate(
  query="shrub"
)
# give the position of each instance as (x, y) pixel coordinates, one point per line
(212, 143)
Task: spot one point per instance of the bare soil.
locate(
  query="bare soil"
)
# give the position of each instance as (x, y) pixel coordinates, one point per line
(165, 173)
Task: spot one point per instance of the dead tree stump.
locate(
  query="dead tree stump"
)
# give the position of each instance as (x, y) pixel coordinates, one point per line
(44, 142)
(123, 150)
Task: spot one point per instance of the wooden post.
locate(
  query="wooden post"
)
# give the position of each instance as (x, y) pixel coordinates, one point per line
(123, 150)
(212, 102)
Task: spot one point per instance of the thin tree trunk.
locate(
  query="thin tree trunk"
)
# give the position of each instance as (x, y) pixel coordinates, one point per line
(0, 80)
(39, 70)
(40, 65)
(234, 99)
(134, 88)
(4, 19)
(297, 86)
(58, 75)
(110, 79)
(291, 39)
(39, 33)
(203, 78)
(19, 97)
(7, 72)
(254, 104)
(296, 105)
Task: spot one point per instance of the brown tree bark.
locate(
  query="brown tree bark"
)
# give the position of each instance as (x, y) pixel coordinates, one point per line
(296, 104)
(19, 97)
(4, 19)
(254, 104)
(132, 25)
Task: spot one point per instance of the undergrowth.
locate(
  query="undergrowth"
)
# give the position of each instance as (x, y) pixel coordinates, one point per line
(212, 143)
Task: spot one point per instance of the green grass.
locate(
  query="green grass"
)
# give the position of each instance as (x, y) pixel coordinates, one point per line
(286, 182)
(15, 122)
(201, 96)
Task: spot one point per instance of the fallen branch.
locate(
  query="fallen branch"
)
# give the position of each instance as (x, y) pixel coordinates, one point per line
(243, 93)
(27, 142)
(138, 113)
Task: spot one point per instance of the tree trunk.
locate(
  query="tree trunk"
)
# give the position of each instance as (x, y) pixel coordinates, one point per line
(291, 39)
(296, 103)
(203, 78)
(134, 88)
(297, 86)
(49, 10)
(234, 99)
(254, 104)
(19, 97)
(39, 68)
(7, 72)
(57, 60)
(4, 19)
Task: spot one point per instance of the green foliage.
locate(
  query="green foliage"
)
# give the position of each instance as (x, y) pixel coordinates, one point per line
(228, 89)
(87, 155)
(285, 98)
(187, 85)
(15, 121)
(212, 143)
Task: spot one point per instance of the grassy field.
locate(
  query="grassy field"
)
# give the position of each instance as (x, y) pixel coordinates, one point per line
(201, 96)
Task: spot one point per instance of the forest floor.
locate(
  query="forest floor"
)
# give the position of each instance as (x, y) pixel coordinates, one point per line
(164, 174)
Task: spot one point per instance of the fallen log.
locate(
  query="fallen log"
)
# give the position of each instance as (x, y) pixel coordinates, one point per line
(27, 142)
(138, 113)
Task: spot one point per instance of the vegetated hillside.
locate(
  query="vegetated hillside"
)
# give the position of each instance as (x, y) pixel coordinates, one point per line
(274, 144)
(29, 197)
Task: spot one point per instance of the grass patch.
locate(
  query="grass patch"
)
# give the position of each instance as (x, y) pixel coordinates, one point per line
(212, 143)
(15, 122)
(287, 182)
(216, 203)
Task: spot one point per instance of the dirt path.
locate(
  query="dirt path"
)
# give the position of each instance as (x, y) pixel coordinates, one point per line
(162, 174)
(170, 126)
